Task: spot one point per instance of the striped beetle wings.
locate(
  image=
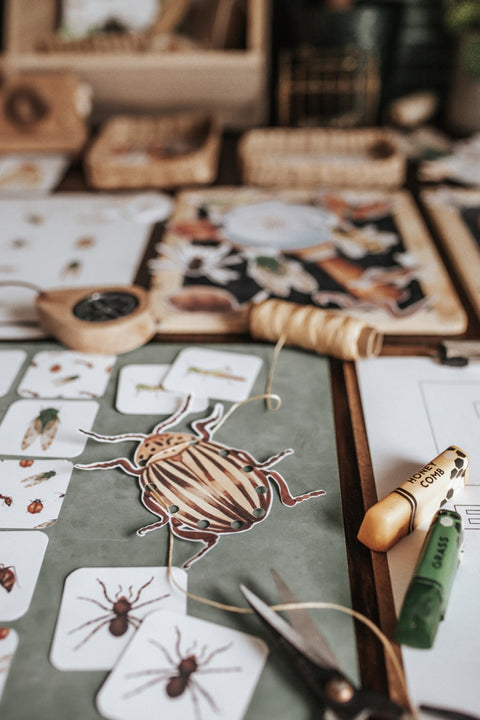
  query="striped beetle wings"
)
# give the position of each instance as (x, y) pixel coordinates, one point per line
(200, 488)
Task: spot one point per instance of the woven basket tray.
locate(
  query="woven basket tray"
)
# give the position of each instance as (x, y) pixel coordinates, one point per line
(294, 157)
(161, 152)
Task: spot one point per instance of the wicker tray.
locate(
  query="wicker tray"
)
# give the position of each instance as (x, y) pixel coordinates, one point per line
(294, 157)
(161, 152)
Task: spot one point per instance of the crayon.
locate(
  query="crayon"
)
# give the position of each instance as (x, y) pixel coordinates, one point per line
(415, 502)
(427, 595)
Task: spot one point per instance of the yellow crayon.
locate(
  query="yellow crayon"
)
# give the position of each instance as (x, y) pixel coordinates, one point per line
(414, 502)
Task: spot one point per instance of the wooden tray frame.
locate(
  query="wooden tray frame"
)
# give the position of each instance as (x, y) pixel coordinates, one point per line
(460, 245)
(447, 317)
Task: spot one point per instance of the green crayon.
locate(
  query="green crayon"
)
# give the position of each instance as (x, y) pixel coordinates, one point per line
(427, 595)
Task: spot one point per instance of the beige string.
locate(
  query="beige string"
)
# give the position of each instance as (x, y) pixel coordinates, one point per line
(323, 331)
(313, 605)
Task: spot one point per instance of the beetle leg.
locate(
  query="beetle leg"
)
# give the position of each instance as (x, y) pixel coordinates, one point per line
(285, 495)
(175, 418)
(202, 427)
(210, 539)
(118, 462)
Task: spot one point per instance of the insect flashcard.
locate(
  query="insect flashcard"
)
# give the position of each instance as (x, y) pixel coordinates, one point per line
(213, 374)
(42, 429)
(8, 645)
(103, 607)
(200, 488)
(32, 493)
(11, 361)
(20, 561)
(66, 374)
(183, 667)
(141, 392)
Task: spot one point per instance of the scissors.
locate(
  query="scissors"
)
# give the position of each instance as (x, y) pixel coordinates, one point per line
(315, 661)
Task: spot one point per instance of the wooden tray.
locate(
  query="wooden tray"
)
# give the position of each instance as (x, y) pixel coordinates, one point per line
(295, 157)
(365, 253)
(162, 152)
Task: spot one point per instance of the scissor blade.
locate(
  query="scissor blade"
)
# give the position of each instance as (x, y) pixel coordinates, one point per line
(278, 624)
(302, 622)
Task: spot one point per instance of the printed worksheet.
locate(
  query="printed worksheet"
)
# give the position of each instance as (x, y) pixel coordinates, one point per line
(415, 408)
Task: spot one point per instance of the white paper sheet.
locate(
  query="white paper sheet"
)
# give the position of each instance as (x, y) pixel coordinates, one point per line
(414, 408)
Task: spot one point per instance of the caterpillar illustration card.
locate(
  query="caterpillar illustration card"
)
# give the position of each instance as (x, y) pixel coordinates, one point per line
(213, 373)
(34, 428)
(8, 645)
(141, 392)
(21, 557)
(66, 374)
(103, 607)
(32, 492)
(184, 668)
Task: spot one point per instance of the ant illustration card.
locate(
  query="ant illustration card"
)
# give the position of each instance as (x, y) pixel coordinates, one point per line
(46, 429)
(103, 607)
(21, 558)
(66, 374)
(8, 645)
(32, 492)
(213, 373)
(141, 392)
(184, 667)
(11, 362)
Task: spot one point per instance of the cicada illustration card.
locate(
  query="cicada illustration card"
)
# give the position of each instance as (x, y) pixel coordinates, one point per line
(66, 374)
(456, 214)
(32, 492)
(184, 668)
(10, 362)
(21, 557)
(8, 645)
(103, 607)
(213, 373)
(368, 253)
(141, 392)
(35, 428)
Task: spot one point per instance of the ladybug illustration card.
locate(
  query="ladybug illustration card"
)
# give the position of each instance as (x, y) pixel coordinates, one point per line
(8, 645)
(141, 392)
(213, 373)
(32, 492)
(66, 374)
(102, 608)
(11, 362)
(184, 668)
(36, 428)
(21, 557)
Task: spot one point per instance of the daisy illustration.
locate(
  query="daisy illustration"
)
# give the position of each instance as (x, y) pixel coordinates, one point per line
(195, 261)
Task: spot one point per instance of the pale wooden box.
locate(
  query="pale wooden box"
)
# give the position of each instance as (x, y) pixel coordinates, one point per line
(231, 83)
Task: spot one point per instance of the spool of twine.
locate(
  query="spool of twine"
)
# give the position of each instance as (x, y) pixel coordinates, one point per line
(323, 331)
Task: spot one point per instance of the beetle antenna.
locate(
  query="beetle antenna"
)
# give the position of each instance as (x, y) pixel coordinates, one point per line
(113, 438)
(176, 417)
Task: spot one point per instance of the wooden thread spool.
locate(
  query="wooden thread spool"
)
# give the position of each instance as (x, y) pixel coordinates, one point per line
(323, 331)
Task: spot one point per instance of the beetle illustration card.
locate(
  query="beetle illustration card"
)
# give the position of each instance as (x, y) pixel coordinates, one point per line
(8, 645)
(103, 607)
(11, 362)
(184, 667)
(213, 373)
(141, 392)
(40, 429)
(32, 492)
(21, 557)
(66, 374)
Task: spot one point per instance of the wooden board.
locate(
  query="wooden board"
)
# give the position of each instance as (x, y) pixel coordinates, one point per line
(368, 253)
(456, 212)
